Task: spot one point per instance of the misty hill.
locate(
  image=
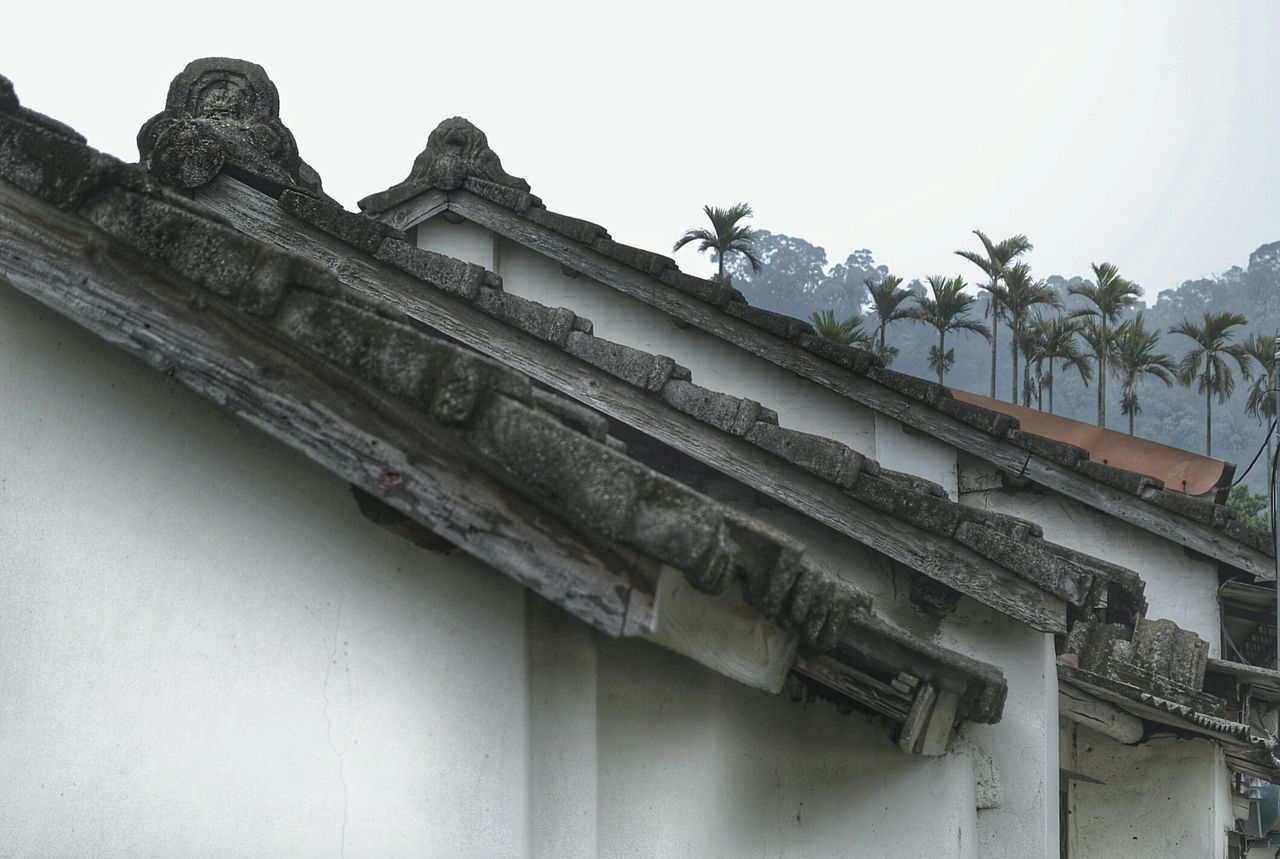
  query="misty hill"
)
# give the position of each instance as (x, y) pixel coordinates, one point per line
(798, 280)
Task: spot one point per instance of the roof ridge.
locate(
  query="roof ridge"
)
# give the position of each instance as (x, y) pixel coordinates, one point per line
(801, 335)
(1017, 545)
(546, 450)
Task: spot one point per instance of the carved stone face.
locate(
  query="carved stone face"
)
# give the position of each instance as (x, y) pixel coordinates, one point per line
(223, 111)
(225, 96)
(457, 149)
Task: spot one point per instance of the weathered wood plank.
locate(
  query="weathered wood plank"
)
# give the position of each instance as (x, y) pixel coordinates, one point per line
(941, 721)
(917, 719)
(940, 558)
(1132, 509)
(722, 632)
(858, 685)
(66, 264)
(1097, 715)
(418, 209)
(1116, 502)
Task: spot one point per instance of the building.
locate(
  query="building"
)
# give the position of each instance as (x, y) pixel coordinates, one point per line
(520, 541)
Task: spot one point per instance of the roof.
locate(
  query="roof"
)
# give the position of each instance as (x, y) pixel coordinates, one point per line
(337, 335)
(1179, 470)
(459, 172)
(1155, 672)
(525, 479)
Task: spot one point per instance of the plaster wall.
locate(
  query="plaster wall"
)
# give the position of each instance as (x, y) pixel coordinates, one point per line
(904, 448)
(1178, 587)
(1024, 744)
(208, 651)
(465, 241)
(1169, 797)
(692, 764)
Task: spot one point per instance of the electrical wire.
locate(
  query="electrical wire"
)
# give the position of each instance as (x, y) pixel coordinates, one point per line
(1265, 442)
(1222, 615)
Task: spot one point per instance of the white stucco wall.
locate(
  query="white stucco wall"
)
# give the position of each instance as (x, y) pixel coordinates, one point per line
(712, 768)
(905, 448)
(1169, 798)
(207, 651)
(1024, 743)
(1179, 587)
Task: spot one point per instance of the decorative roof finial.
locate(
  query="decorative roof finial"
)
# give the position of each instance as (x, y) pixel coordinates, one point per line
(8, 98)
(224, 114)
(457, 155)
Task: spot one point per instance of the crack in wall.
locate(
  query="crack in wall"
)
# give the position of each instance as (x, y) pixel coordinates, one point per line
(328, 729)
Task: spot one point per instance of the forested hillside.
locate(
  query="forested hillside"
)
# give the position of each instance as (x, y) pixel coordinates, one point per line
(796, 278)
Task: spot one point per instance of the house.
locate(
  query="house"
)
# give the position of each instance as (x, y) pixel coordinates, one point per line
(457, 527)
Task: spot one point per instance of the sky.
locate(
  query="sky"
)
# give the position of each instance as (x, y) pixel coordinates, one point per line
(1141, 133)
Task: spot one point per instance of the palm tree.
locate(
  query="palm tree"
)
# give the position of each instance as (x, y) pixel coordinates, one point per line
(947, 310)
(887, 297)
(1134, 355)
(1055, 340)
(1021, 294)
(993, 265)
(1207, 361)
(1111, 295)
(846, 333)
(726, 236)
(1262, 393)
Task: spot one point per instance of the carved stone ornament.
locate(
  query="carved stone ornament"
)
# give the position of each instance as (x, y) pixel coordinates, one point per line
(456, 152)
(224, 114)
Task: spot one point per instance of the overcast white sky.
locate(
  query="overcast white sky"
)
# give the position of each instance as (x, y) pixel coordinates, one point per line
(1145, 133)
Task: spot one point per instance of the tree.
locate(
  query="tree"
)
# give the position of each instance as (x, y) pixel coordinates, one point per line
(946, 311)
(1207, 362)
(1262, 393)
(1134, 356)
(1110, 295)
(887, 297)
(846, 333)
(1054, 339)
(1252, 511)
(997, 258)
(727, 235)
(1021, 295)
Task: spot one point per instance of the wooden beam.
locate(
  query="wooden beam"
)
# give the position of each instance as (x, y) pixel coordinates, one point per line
(937, 557)
(65, 263)
(722, 632)
(938, 731)
(416, 210)
(917, 720)
(859, 686)
(1107, 719)
(1116, 502)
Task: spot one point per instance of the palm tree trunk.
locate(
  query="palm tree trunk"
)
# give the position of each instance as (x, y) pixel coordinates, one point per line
(1049, 380)
(1026, 381)
(1013, 375)
(720, 267)
(1131, 411)
(995, 330)
(1208, 420)
(1102, 390)
(942, 355)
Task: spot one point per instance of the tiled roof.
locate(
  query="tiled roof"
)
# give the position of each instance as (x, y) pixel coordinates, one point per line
(240, 290)
(466, 152)
(1013, 543)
